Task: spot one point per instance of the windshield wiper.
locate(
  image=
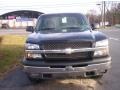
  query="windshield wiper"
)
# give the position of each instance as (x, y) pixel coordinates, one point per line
(48, 28)
(71, 28)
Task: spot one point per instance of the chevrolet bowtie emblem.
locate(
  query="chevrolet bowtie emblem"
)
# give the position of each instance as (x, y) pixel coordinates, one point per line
(68, 51)
(69, 68)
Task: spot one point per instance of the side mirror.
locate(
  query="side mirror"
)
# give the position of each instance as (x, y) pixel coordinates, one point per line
(29, 28)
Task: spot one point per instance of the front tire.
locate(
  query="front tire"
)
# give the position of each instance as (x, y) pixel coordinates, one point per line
(33, 79)
(97, 76)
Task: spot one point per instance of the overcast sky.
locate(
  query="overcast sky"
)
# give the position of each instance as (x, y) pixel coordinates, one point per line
(49, 6)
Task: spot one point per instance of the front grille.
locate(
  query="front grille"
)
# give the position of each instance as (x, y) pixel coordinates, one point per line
(63, 45)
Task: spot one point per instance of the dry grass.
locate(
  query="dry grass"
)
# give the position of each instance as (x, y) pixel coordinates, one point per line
(11, 50)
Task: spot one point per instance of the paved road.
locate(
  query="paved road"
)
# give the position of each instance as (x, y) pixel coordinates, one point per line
(13, 31)
(17, 80)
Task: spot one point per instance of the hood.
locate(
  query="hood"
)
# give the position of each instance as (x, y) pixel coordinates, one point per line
(36, 38)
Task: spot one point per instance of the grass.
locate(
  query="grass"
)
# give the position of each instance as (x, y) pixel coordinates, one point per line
(11, 51)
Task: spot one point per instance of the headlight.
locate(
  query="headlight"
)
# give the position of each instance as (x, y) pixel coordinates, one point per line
(102, 43)
(104, 51)
(31, 55)
(31, 46)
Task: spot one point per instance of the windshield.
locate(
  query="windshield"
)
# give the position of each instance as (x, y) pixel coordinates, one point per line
(64, 23)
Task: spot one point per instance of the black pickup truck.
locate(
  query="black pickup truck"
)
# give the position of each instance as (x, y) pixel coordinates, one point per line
(64, 45)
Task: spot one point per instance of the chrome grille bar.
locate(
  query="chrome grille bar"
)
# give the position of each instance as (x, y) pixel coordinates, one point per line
(67, 51)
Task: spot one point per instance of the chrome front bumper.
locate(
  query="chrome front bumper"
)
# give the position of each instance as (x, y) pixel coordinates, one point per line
(48, 72)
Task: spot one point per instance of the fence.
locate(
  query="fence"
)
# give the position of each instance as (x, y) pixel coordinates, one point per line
(14, 23)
